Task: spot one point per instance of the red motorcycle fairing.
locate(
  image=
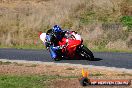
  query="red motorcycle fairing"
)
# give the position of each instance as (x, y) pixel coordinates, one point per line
(70, 50)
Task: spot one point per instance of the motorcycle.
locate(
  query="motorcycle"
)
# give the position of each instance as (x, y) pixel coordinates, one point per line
(73, 47)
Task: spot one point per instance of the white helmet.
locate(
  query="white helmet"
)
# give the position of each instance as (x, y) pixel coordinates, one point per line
(42, 36)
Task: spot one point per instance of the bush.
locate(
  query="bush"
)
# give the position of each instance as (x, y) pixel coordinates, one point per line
(127, 21)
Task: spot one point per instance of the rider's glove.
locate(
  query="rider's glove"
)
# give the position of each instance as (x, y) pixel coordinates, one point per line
(61, 47)
(47, 48)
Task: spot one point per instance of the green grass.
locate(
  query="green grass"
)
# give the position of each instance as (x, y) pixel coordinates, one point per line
(33, 81)
(7, 81)
(109, 50)
(32, 65)
(17, 64)
(25, 47)
(5, 63)
(96, 49)
(97, 74)
(127, 21)
(124, 74)
(70, 68)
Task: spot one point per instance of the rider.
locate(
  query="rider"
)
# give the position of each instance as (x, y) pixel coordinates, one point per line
(51, 39)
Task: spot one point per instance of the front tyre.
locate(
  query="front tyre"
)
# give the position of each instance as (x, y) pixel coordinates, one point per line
(86, 53)
(57, 59)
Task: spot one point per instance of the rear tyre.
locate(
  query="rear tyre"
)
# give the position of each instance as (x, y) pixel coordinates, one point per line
(87, 54)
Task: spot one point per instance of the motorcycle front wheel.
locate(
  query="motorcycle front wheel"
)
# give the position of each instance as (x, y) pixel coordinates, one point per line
(86, 53)
(57, 59)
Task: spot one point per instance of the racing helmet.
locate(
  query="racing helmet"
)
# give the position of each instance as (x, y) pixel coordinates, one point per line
(42, 36)
(56, 29)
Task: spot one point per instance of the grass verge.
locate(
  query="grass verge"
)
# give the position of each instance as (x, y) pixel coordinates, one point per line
(24, 81)
(30, 81)
(8, 81)
(93, 49)
(25, 47)
(5, 63)
(109, 50)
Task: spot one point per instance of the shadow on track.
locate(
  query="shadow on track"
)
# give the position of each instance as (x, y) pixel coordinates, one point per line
(95, 59)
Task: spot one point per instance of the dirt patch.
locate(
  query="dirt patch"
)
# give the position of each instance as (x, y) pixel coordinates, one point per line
(67, 83)
(74, 83)
(28, 68)
(72, 74)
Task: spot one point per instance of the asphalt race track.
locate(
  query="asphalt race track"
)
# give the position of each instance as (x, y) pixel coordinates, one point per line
(119, 60)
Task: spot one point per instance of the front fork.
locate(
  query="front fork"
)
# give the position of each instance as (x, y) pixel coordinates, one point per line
(79, 48)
